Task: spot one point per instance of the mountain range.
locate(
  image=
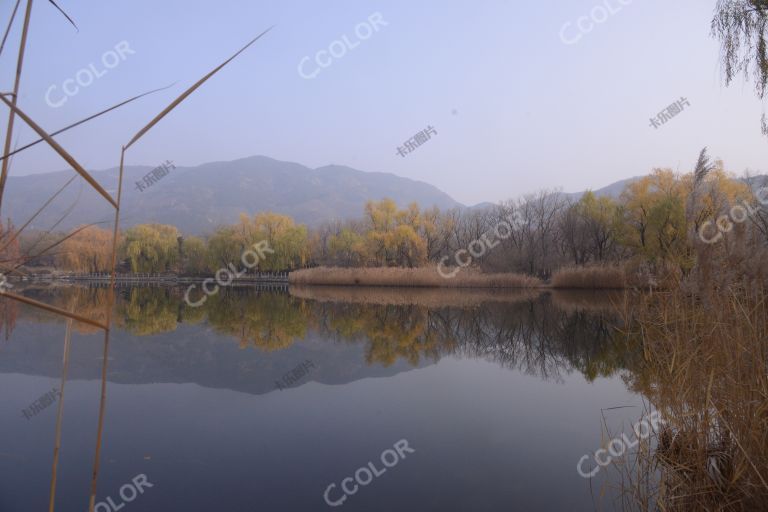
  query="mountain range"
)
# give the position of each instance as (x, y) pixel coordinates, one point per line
(199, 199)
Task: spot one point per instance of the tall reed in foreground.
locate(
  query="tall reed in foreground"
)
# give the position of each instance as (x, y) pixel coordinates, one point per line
(705, 368)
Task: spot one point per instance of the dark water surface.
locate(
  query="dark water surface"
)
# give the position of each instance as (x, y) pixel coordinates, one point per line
(496, 398)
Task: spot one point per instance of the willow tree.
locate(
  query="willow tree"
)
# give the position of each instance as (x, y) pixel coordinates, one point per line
(194, 255)
(224, 247)
(149, 311)
(347, 248)
(654, 215)
(268, 322)
(152, 247)
(286, 243)
(741, 26)
(391, 234)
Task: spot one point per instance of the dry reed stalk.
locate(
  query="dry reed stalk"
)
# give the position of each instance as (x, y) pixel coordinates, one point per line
(28, 258)
(85, 120)
(60, 414)
(16, 84)
(14, 111)
(10, 24)
(706, 370)
(64, 13)
(113, 277)
(34, 216)
(56, 147)
(189, 91)
(53, 309)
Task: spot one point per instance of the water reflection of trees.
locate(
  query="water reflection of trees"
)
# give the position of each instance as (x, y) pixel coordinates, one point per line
(391, 332)
(148, 311)
(532, 335)
(9, 312)
(268, 321)
(87, 302)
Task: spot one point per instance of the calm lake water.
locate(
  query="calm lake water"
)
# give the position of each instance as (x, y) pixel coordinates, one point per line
(260, 400)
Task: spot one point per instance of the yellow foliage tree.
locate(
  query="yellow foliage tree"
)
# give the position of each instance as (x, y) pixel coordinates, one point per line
(152, 247)
(392, 237)
(89, 250)
(347, 248)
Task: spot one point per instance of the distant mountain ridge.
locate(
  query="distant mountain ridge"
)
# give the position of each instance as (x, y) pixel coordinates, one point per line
(198, 199)
(614, 190)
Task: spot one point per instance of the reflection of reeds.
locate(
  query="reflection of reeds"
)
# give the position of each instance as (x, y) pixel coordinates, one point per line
(412, 296)
(594, 301)
(593, 277)
(9, 311)
(706, 369)
(60, 414)
(408, 277)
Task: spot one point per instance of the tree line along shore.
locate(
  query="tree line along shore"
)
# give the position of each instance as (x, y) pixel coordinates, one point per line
(658, 231)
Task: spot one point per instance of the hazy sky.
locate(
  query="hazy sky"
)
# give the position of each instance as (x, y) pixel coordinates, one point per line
(515, 108)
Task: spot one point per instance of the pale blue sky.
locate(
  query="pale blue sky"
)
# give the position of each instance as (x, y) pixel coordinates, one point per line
(532, 112)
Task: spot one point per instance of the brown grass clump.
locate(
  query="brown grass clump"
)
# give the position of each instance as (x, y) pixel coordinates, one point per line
(593, 277)
(426, 277)
(705, 368)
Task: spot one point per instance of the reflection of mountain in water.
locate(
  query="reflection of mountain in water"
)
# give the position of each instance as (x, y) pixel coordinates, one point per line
(191, 354)
(157, 338)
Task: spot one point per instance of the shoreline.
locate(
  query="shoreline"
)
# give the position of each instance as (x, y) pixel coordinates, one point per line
(386, 278)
